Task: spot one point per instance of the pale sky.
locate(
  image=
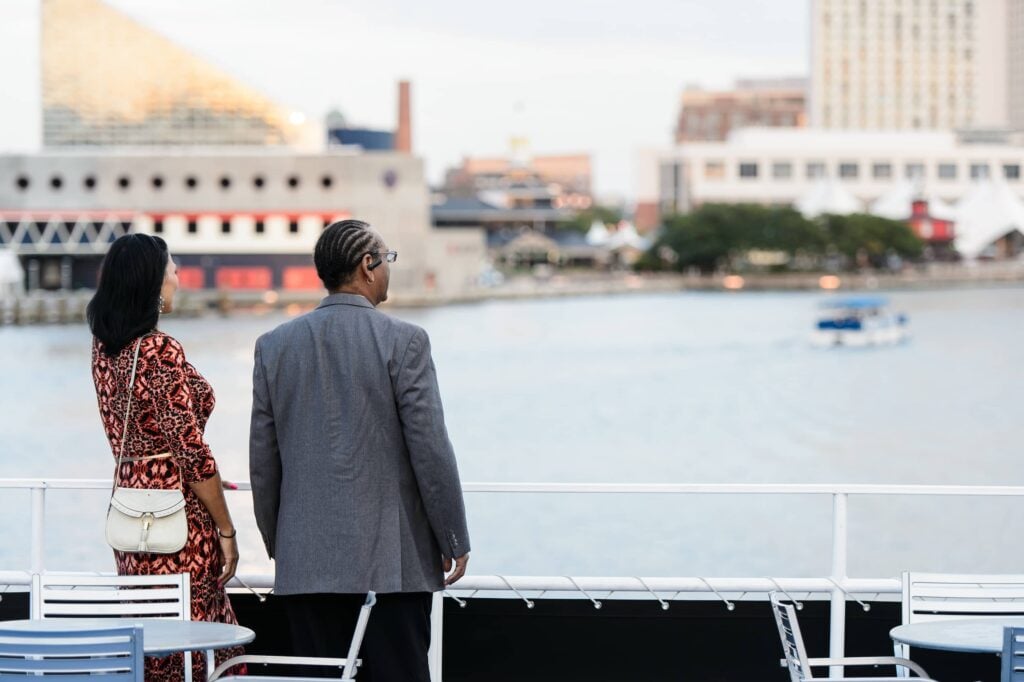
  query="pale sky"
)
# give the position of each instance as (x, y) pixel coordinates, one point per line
(598, 76)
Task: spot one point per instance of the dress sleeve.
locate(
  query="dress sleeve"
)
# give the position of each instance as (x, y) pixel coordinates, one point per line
(175, 412)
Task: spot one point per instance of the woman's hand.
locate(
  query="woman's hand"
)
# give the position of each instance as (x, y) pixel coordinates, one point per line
(229, 551)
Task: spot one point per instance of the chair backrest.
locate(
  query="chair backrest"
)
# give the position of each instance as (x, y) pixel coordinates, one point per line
(65, 595)
(1013, 655)
(792, 640)
(357, 636)
(943, 596)
(73, 655)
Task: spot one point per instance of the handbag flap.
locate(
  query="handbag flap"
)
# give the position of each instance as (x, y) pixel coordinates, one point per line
(136, 502)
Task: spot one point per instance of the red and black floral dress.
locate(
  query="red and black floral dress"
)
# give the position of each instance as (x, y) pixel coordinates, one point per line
(170, 406)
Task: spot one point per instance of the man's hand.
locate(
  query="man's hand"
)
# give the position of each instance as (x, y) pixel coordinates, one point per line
(460, 569)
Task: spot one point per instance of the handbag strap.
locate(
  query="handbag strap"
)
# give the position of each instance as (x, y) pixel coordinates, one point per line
(127, 413)
(124, 432)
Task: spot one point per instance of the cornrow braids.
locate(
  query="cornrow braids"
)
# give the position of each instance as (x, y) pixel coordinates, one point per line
(339, 250)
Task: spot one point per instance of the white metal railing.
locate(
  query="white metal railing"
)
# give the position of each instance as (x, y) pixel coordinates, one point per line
(837, 586)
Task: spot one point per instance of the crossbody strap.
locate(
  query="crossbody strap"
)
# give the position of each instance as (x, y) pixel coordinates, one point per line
(127, 413)
(124, 432)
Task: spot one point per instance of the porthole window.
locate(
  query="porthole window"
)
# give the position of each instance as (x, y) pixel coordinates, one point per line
(293, 181)
(158, 181)
(258, 182)
(326, 181)
(22, 182)
(225, 182)
(191, 182)
(124, 182)
(56, 182)
(89, 182)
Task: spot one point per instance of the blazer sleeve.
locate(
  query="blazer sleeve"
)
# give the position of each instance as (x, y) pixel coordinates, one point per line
(175, 413)
(430, 450)
(264, 457)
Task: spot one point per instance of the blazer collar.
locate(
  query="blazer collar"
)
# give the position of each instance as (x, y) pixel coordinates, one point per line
(345, 299)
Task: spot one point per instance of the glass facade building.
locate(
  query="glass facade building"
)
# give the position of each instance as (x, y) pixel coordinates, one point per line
(109, 81)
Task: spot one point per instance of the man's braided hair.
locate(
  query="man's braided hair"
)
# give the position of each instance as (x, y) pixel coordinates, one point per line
(340, 249)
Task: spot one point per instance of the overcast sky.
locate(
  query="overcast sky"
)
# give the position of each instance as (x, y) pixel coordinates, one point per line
(598, 76)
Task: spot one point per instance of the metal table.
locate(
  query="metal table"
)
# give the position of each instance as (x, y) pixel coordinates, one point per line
(160, 637)
(970, 635)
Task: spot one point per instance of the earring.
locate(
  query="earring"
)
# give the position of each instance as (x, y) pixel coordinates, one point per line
(160, 305)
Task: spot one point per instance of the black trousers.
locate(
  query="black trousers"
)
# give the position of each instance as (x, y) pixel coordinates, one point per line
(397, 636)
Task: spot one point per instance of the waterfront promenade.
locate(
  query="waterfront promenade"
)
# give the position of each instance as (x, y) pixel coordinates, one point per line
(62, 307)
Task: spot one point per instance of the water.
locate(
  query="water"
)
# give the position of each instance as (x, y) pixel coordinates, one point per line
(688, 387)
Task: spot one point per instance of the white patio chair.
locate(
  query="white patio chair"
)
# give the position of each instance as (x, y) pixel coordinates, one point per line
(346, 666)
(945, 596)
(800, 665)
(77, 595)
(102, 654)
(1013, 655)
(68, 595)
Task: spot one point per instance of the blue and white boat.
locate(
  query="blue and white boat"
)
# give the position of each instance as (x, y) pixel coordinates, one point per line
(859, 321)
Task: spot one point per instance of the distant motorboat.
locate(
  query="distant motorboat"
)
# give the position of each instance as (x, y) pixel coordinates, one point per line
(859, 321)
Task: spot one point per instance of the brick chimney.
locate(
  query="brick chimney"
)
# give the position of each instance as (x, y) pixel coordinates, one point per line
(403, 135)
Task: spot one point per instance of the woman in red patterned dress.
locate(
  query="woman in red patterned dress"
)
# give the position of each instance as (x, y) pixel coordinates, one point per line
(170, 405)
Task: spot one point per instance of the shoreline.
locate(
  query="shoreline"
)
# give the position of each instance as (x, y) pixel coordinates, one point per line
(68, 307)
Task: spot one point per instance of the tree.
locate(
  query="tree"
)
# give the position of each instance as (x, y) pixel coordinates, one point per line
(585, 218)
(715, 236)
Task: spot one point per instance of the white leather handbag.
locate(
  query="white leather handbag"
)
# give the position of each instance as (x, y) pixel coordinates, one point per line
(150, 520)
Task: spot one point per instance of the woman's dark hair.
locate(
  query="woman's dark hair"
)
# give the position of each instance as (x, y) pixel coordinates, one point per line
(127, 299)
(339, 250)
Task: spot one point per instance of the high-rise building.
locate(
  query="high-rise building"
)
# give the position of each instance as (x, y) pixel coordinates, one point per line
(709, 116)
(1015, 58)
(909, 64)
(108, 80)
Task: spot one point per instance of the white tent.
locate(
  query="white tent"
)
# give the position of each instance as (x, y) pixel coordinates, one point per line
(627, 236)
(828, 196)
(988, 212)
(12, 277)
(597, 235)
(897, 203)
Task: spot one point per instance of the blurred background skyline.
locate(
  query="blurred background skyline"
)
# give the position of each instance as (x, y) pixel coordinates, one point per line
(602, 77)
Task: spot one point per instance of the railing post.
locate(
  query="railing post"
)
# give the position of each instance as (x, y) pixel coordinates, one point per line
(38, 527)
(837, 611)
(436, 636)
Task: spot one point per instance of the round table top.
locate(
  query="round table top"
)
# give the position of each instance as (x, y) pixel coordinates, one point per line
(974, 635)
(159, 636)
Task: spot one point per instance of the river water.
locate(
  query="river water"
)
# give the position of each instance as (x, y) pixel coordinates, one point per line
(685, 387)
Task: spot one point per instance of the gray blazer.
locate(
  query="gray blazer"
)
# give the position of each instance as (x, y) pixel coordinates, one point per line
(354, 481)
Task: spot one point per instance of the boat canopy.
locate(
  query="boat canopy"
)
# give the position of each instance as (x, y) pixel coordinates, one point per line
(856, 302)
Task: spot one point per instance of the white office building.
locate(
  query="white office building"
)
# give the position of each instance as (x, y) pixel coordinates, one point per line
(780, 166)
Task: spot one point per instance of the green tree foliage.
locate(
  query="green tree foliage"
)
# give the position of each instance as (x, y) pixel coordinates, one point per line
(875, 237)
(715, 235)
(585, 218)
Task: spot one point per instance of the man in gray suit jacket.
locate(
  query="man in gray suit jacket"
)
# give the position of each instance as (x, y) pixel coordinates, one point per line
(354, 480)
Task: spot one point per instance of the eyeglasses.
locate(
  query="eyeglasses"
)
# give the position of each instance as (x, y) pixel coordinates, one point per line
(389, 256)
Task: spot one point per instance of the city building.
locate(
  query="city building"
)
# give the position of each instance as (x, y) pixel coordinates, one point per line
(239, 201)
(707, 116)
(510, 195)
(846, 171)
(341, 134)
(897, 64)
(558, 181)
(1015, 58)
(774, 166)
(108, 80)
